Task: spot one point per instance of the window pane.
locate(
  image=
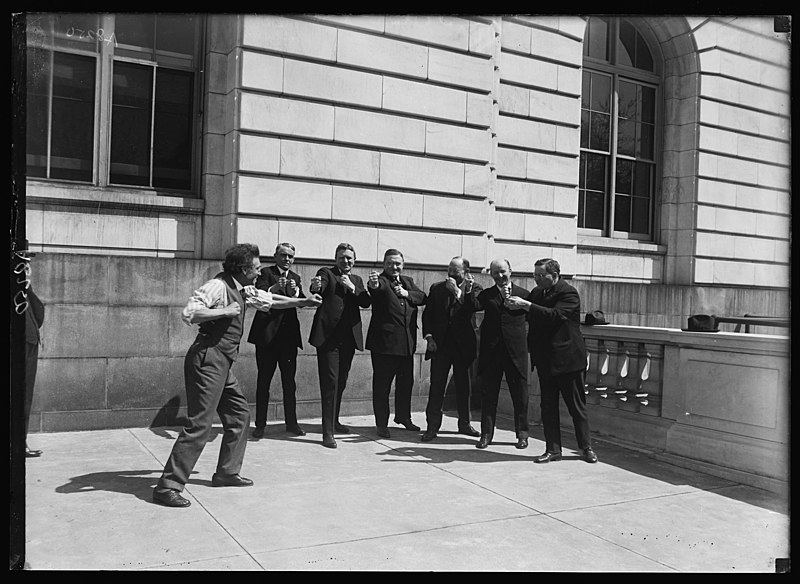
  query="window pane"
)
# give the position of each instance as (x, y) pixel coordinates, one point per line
(595, 210)
(584, 129)
(597, 46)
(626, 137)
(645, 142)
(626, 44)
(601, 93)
(644, 60)
(581, 202)
(624, 176)
(596, 172)
(36, 100)
(622, 213)
(627, 100)
(72, 122)
(648, 105)
(135, 29)
(582, 170)
(586, 85)
(599, 134)
(175, 33)
(172, 140)
(130, 124)
(640, 215)
(641, 180)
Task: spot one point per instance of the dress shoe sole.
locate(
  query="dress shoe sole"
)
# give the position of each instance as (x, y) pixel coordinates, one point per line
(549, 459)
(230, 483)
(329, 444)
(171, 502)
(483, 445)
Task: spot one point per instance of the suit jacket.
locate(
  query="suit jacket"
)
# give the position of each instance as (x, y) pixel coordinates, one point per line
(339, 308)
(555, 341)
(266, 325)
(499, 322)
(450, 321)
(393, 325)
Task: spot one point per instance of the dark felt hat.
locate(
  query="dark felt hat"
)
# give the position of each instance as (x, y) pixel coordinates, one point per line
(595, 317)
(702, 323)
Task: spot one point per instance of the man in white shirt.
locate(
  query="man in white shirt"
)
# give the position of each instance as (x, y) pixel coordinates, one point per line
(218, 306)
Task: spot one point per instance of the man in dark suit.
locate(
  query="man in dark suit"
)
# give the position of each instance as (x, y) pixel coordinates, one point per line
(558, 353)
(34, 316)
(336, 333)
(502, 352)
(392, 340)
(276, 335)
(448, 327)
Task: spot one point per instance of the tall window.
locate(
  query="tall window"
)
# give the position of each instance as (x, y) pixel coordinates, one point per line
(616, 187)
(112, 99)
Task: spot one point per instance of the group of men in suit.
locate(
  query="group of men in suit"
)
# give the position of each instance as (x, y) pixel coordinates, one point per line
(543, 323)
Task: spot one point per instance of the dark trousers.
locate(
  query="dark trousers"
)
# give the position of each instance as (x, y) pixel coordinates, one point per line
(386, 368)
(441, 363)
(333, 366)
(268, 358)
(570, 387)
(501, 364)
(31, 364)
(210, 387)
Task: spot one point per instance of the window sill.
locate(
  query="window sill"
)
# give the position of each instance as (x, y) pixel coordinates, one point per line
(593, 242)
(41, 191)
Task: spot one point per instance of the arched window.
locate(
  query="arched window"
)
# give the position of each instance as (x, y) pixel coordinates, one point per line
(619, 131)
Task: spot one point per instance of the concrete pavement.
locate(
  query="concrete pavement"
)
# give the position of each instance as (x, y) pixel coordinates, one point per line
(392, 504)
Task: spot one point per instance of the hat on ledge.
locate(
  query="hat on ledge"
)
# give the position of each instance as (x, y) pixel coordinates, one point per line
(701, 323)
(595, 317)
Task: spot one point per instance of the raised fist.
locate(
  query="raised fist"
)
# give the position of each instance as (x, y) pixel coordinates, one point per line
(373, 279)
(316, 284)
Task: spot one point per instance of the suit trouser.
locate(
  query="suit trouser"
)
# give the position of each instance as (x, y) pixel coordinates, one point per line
(210, 386)
(441, 362)
(31, 364)
(385, 368)
(570, 387)
(268, 358)
(517, 386)
(333, 366)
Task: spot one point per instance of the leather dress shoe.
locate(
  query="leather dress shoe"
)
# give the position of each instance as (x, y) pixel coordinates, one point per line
(341, 428)
(468, 430)
(29, 453)
(589, 455)
(219, 480)
(483, 442)
(428, 436)
(522, 443)
(328, 442)
(384, 433)
(409, 425)
(296, 430)
(170, 498)
(258, 433)
(548, 457)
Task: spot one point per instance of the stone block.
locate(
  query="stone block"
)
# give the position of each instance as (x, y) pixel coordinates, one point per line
(261, 232)
(259, 154)
(713, 192)
(64, 278)
(761, 149)
(93, 229)
(772, 275)
(474, 248)
(144, 382)
(511, 163)
(381, 53)
(320, 239)
(378, 129)
(276, 115)
(215, 154)
(454, 213)
(481, 38)
(178, 236)
(569, 80)
(565, 200)
(457, 142)
(558, 169)
(377, 206)
(448, 31)
(479, 110)
(568, 140)
(554, 107)
(515, 37)
(363, 21)
(715, 245)
(772, 225)
(516, 100)
(220, 112)
(572, 25)
(412, 97)
(261, 71)
(552, 45)
(528, 71)
(327, 162)
(332, 83)
(284, 198)
(509, 226)
(478, 180)
(706, 217)
(420, 247)
(217, 72)
(524, 195)
(462, 70)
(70, 384)
(397, 170)
(718, 140)
(752, 248)
(526, 133)
(289, 36)
(550, 229)
(736, 221)
(776, 177)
